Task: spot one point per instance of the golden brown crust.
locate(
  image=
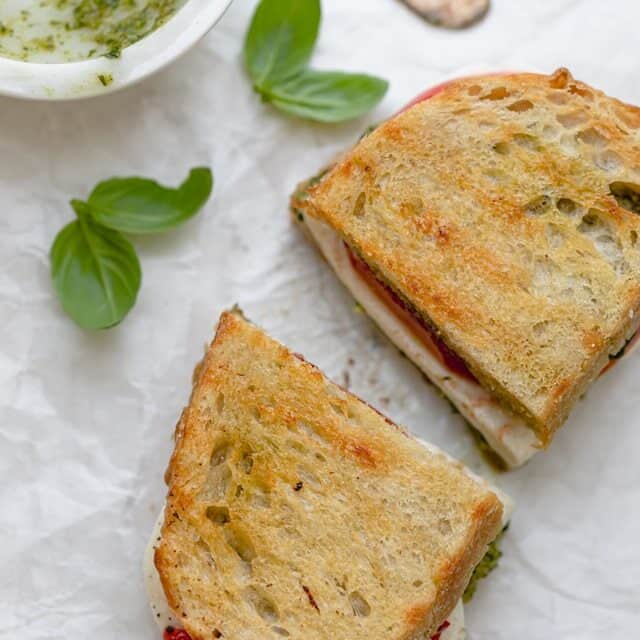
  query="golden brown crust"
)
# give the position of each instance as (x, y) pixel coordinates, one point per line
(489, 209)
(293, 507)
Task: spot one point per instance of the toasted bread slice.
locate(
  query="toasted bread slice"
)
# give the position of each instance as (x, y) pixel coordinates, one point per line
(296, 510)
(504, 212)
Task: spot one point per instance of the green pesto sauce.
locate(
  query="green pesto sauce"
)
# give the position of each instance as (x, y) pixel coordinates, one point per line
(485, 567)
(72, 30)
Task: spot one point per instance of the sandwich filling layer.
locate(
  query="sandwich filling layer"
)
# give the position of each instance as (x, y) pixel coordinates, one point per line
(507, 433)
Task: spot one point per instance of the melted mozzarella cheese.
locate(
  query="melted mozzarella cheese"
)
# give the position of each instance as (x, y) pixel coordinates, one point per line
(505, 432)
(162, 613)
(455, 630)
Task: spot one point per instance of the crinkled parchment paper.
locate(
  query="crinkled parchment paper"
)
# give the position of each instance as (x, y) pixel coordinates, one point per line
(86, 419)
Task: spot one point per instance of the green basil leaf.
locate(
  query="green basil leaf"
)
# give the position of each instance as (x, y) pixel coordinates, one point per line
(280, 39)
(139, 205)
(328, 96)
(95, 272)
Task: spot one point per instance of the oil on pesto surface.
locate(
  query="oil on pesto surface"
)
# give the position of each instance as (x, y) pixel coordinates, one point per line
(71, 30)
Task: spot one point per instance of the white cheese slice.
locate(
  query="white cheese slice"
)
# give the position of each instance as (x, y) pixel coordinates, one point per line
(456, 629)
(162, 613)
(506, 433)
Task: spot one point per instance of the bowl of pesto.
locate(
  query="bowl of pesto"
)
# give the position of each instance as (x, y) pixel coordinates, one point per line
(65, 49)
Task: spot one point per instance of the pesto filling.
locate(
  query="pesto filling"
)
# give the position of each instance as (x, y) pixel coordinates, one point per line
(485, 566)
(71, 30)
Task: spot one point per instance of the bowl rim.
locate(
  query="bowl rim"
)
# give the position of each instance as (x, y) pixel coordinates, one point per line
(61, 81)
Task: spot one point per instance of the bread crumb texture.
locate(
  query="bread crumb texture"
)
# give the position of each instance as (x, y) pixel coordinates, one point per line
(505, 209)
(296, 510)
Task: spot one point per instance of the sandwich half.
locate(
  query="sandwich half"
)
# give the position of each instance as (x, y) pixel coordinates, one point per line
(491, 230)
(296, 510)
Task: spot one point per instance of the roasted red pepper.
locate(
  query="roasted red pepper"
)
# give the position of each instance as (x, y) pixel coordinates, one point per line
(419, 328)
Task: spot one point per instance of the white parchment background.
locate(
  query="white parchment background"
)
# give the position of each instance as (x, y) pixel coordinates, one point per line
(86, 419)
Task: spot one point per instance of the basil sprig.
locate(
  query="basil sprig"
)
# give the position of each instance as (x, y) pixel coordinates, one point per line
(95, 270)
(277, 50)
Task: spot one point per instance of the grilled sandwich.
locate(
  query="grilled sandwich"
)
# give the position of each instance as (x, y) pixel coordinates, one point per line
(491, 230)
(295, 510)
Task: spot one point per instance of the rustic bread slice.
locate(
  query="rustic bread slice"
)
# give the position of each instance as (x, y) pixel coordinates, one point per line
(296, 510)
(504, 211)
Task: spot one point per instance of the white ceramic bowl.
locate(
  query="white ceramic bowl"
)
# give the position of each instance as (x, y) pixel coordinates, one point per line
(69, 80)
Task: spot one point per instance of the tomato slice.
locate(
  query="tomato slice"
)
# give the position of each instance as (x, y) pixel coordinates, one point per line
(441, 628)
(439, 88)
(419, 328)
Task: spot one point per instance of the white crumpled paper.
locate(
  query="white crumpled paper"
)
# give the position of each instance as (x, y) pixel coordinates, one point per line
(86, 418)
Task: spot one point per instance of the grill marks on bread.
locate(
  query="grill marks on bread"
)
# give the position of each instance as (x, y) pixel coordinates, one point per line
(296, 510)
(504, 209)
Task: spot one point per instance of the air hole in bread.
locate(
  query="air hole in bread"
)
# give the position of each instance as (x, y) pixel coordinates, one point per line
(558, 97)
(627, 195)
(520, 105)
(220, 403)
(263, 604)
(555, 235)
(474, 90)
(526, 141)
(383, 181)
(337, 409)
(240, 543)
(569, 146)
(608, 160)
(549, 132)
(501, 147)
(633, 236)
(540, 328)
(219, 454)
(217, 483)
(571, 119)
(544, 272)
(260, 495)
(567, 206)
(218, 514)
(358, 208)
(309, 431)
(417, 583)
(206, 552)
(217, 633)
(281, 631)
(246, 461)
(497, 176)
(361, 608)
(538, 206)
(593, 137)
(595, 227)
(497, 93)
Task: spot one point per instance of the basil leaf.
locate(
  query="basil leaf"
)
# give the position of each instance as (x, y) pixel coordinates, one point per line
(95, 272)
(280, 39)
(328, 96)
(139, 205)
